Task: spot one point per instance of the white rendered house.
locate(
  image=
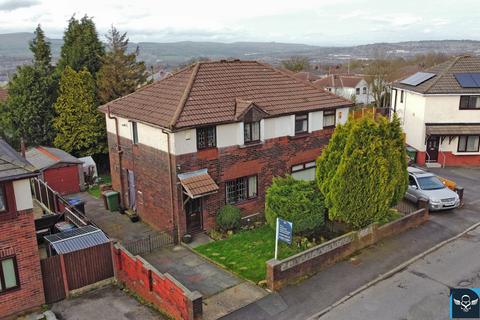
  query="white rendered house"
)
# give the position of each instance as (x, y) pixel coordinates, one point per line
(440, 112)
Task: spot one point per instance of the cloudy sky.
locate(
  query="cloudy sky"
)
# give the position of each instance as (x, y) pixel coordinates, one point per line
(332, 22)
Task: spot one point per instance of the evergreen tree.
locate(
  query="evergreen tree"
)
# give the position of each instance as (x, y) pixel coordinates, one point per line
(32, 91)
(360, 192)
(81, 128)
(81, 46)
(120, 73)
(362, 173)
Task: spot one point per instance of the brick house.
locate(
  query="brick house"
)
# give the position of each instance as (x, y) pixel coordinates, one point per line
(440, 112)
(215, 133)
(21, 287)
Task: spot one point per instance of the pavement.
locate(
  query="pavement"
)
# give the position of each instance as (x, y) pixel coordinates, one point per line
(303, 300)
(421, 291)
(108, 303)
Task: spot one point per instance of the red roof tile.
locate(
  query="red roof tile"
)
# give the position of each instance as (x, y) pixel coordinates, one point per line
(3, 94)
(207, 92)
(338, 81)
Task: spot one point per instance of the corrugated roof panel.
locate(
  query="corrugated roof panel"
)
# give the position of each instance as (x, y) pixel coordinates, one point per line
(77, 239)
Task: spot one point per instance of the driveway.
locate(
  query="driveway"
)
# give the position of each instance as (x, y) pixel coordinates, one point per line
(421, 291)
(109, 303)
(325, 288)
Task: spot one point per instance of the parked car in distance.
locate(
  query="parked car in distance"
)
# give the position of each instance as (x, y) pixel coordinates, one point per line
(422, 184)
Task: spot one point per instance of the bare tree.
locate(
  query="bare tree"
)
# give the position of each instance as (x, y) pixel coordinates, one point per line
(296, 64)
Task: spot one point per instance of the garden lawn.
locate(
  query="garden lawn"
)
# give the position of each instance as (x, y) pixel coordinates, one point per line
(95, 190)
(246, 252)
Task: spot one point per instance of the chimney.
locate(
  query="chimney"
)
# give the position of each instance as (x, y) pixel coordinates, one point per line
(22, 147)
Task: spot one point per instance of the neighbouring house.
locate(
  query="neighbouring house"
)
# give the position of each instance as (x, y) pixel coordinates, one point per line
(352, 87)
(60, 170)
(440, 112)
(3, 94)
(215, 133)
(21, 287)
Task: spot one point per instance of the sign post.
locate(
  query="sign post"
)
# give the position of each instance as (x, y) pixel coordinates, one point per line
(283, 233)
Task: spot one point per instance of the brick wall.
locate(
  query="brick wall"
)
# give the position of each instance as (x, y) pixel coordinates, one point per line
(17, 237)
(162, 290)
(274, 157)
(308, 262)
(452, 159)
(152, 181)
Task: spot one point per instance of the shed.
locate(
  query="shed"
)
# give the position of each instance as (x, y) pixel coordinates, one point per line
(59, 169)
(76, 239)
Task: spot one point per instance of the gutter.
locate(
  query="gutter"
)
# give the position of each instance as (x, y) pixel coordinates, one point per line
(119, 152)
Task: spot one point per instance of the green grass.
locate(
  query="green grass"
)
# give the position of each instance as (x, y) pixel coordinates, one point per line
(95, 190)
(246, 252)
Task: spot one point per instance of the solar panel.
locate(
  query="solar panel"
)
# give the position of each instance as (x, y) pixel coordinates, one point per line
(417, 78)
(468, 80)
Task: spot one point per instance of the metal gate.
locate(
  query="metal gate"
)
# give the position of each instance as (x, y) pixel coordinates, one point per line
(53, 284)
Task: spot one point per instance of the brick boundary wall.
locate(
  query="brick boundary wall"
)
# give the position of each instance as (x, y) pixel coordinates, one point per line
(313, 260)
(454, 160)
(160, 289)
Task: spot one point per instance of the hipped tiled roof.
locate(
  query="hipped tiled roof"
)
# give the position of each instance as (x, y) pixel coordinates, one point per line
(338, 81)
(444, 80)
(207, 92)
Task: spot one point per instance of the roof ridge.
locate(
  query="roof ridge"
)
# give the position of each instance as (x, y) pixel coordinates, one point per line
(444, 71)
(186, 94)
(308, 83)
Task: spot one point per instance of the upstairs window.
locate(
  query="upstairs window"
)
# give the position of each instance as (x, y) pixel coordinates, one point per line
(470, 102)
(301, 123)
(251, 131)
(468, 143)
(134, 132)
(357, 91)
(3, 199)
(8, 274)
(364, 90)
(240, 189)
(329, 119)
(206, 137)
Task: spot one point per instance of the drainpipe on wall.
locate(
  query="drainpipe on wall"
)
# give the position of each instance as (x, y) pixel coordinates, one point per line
(119, 152)
(176, 230)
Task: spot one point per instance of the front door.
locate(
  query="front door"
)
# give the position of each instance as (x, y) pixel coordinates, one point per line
(132, 191)
(432, 148)
(193, 209)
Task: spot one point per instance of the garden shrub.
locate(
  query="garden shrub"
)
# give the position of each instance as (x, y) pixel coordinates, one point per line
(228, 218)
(297, 201)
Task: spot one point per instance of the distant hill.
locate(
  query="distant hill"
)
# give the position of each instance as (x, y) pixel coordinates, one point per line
(14, 51)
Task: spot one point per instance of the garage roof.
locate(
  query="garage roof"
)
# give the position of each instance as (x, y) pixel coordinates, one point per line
(46, 157)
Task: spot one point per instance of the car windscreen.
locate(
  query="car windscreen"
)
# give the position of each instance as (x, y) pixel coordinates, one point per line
(430, 183)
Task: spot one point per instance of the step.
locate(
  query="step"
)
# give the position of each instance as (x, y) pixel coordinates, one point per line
(433, 165)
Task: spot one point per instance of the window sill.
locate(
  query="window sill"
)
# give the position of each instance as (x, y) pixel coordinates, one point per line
(251, 144)
(244, 201)
(466, 153)
(299, 135)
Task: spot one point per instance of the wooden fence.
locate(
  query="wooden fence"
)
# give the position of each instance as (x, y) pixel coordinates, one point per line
(64, 273)
(149, 243)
